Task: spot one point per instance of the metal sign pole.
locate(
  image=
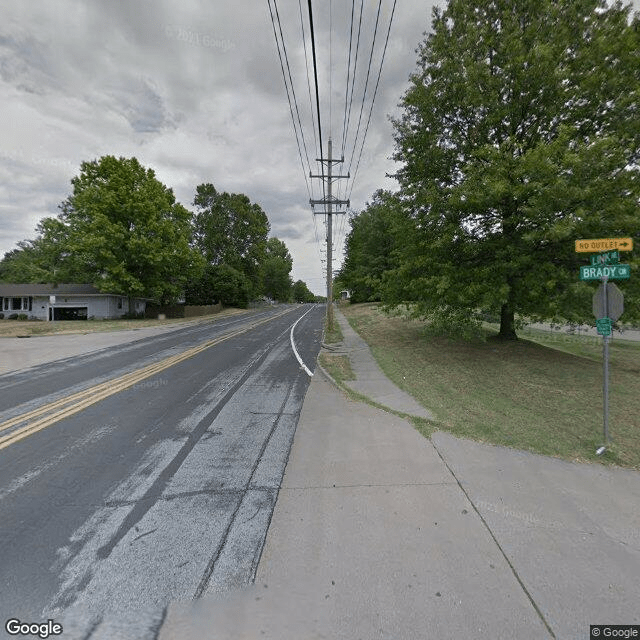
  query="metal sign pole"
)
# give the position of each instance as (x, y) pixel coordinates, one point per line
(605, 387)
(608, 302)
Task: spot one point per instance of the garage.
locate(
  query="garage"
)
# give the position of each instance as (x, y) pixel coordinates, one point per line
(68, 313)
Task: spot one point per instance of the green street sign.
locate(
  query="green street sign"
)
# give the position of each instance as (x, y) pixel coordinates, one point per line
(611, 272)
(609, 257)
(603, 326)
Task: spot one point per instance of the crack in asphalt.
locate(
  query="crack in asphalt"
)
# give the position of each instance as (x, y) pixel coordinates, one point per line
(188, 494)
(206, 577)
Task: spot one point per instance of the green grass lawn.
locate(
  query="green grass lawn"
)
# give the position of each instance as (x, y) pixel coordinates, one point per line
(338, 367)
(541, 393)
(13, 328)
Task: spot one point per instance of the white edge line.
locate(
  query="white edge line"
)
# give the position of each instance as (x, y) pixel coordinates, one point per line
(293, 344)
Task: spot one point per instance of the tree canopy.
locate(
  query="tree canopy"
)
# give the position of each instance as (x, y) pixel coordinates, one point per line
(229, 229)
(301, 292)
(520, 133)
(126, 230)
(121, 230)
(370, 248)
(276, 267)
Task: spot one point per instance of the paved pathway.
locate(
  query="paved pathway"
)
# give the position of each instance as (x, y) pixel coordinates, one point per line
(370, 380)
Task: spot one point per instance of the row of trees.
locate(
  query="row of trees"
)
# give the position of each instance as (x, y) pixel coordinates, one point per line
(519, 134)
(123, 231)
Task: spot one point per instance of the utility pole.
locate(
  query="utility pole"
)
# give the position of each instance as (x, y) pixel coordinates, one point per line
(329, 203)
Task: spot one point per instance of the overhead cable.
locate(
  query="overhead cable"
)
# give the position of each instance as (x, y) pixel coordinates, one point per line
(284, 77)
(375, 92)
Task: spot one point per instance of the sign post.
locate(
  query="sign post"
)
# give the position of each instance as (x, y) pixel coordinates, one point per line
(608, 301)
(608, 305)
(605, 358)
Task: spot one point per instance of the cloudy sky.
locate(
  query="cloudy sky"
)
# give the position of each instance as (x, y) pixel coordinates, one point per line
(194, 90)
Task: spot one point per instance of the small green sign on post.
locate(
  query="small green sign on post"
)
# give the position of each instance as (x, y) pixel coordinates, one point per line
(604, 326)
(609, 257)
(611, 272)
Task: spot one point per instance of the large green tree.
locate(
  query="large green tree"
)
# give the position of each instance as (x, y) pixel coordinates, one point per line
(520, 134)
(301, 293)
(229, 229)
(125, 231)
(370, 247)
(275, 270)
(23, 265)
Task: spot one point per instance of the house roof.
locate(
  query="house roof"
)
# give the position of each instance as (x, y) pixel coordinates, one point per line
(9, 290)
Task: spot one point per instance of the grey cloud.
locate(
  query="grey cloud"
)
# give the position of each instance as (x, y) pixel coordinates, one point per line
(287, 232)
(141, 105)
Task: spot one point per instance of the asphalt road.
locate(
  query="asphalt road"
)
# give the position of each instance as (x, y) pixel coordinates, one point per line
(147, 473)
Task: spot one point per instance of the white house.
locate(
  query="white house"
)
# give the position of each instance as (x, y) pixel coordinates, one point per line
(64, 302)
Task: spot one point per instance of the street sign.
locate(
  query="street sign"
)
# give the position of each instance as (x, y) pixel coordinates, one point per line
(612, 272)
(604, 244)
(610, 257)
(603, 326)
(614, 306)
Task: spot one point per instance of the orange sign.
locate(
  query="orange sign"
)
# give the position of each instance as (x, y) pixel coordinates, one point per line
(604, 244)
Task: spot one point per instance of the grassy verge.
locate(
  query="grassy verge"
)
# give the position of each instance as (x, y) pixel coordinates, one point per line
(542, 393)
(338, 367)
(333, 334)
(14, 328)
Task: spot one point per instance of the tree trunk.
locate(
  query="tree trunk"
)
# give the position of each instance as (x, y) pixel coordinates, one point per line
(507, 322)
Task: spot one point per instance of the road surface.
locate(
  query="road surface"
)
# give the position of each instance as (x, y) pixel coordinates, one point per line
(147, 473)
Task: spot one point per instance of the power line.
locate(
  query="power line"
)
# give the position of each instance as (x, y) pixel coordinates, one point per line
(355, 66)
(306, 66)
(366, 83)
(375, 92)
(330, 64)
(284, 77)
(295, 101)
(315, 72)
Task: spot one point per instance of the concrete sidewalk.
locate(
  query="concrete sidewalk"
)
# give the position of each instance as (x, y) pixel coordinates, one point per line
(379, 532)
(370, 380)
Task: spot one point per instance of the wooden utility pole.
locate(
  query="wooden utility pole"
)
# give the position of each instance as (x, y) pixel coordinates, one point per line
(329, 202)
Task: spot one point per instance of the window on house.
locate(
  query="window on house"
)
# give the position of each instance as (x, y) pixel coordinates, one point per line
(120, 303)
(16, 304)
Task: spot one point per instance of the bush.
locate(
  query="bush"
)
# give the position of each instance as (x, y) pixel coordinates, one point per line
(1, 316)
(23, 316)
(133, 316)
(13, 316)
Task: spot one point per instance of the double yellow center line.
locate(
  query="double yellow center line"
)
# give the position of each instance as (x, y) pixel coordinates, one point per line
(53, 412)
